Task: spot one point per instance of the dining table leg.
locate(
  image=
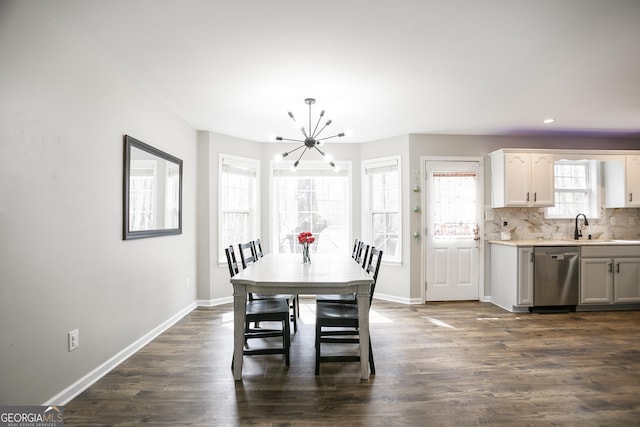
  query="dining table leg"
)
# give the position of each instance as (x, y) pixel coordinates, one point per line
(239, 317)
(363, 327)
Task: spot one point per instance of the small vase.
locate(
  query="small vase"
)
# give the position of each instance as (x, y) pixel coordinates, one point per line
(305, 253)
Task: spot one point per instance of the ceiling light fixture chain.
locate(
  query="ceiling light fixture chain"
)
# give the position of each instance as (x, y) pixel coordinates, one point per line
(311, 138)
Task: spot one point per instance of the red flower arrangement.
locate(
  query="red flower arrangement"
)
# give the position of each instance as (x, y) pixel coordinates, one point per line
(306, 237)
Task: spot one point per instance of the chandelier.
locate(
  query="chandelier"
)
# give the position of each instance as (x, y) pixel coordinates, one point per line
(311, 138)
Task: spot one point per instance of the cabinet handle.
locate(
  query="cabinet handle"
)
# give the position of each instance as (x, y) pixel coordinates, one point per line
(618, 268)
(527, 196)
(631, 197)
(535, 197)
(610, 268)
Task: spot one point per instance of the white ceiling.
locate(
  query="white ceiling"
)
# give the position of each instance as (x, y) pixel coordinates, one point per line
(381, 68)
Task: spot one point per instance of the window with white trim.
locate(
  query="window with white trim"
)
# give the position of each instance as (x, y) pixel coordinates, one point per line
(314, 198)
(238, 200)
(382, 217)
(576, 189)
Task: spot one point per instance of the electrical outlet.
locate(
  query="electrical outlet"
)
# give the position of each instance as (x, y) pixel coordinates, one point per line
(489, 216)
(74, 339)
(612, 220)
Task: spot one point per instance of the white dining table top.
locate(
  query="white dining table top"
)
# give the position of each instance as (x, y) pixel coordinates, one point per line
(325, 270)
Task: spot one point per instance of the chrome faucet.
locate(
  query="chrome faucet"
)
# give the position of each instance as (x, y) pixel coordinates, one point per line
(577, 234)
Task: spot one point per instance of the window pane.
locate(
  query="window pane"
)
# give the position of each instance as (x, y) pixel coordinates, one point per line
(455, 207)
(311, 203)
(384, 191)
(234, 228)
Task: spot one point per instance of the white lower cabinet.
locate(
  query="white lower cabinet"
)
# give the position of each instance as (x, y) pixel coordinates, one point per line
(512, 277)
(596, 282)
(610, 275)
(525, 277)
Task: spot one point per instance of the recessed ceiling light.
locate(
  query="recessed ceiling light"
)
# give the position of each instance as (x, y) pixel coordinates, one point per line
(549, 120)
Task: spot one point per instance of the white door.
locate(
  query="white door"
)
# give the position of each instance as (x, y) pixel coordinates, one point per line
(452, 218)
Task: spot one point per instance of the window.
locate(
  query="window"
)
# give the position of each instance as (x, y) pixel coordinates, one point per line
(455, 208)
(382, 220)
(239, 211)
(314, 198)
(575, 189)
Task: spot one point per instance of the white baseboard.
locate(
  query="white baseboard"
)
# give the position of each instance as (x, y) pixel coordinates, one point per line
(214, 302)
(66, 395)
(394, 298)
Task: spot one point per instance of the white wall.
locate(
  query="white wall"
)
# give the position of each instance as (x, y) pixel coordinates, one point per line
(63, 263)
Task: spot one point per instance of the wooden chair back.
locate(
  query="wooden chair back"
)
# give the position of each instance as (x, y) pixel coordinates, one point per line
(247, 253)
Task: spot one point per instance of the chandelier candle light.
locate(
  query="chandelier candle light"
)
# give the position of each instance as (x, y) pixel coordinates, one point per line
(311, 138)
(305, 238)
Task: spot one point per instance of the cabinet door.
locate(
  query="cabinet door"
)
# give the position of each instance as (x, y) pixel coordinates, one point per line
(542, 179)
(596, 281)
(525, 277)
(626, 279)
(517, 179)
(632, 180)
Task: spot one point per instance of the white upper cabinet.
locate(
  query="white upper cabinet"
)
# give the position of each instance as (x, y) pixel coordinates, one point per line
(622, 181)
(522, 179)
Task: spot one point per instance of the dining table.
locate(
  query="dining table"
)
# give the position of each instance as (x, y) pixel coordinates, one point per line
(287, 274)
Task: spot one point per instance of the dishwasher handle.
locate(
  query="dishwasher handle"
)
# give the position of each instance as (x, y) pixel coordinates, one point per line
(562, 256)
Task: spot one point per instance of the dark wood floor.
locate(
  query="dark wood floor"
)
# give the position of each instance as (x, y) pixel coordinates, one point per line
(447, 364)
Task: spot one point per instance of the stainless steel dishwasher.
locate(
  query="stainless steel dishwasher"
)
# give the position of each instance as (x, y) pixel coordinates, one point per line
(555, 277)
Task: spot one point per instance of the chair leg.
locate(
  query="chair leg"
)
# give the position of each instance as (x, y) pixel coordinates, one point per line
(372, 365)
(287, 339)
(318, 333)
(294, 315)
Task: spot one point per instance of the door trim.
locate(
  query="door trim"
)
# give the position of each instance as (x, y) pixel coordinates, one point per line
(423, 221)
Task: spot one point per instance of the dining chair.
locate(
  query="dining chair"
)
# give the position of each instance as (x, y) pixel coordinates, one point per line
(358, 249)
(361, 258)
(247, 253)
(342, 321)
(354, 253)
(258, 248)
(362, 255)
(268, 310)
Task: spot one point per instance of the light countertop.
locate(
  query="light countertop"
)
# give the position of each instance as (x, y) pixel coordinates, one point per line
(585, 242)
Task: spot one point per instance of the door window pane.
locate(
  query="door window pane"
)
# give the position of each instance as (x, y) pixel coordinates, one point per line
(455, 205)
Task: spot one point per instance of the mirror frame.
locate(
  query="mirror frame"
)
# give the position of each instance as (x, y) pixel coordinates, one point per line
(130, 142)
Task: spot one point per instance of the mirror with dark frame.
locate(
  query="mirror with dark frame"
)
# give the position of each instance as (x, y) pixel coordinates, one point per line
(152, 191)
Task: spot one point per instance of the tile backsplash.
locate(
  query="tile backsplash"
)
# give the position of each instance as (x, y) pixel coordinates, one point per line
(530, 224)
